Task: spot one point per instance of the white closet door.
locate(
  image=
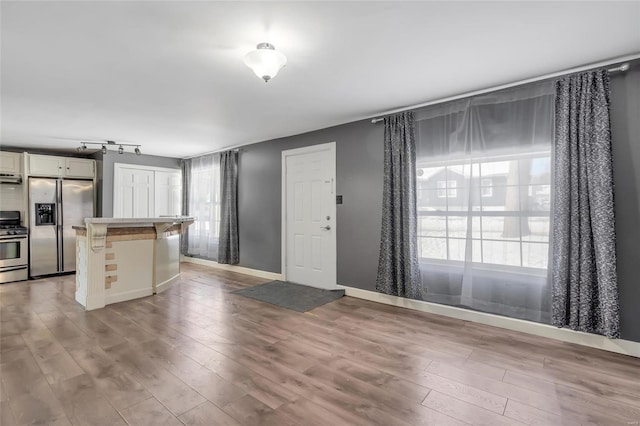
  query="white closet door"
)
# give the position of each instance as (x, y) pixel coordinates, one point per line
(168, 193)
(133, 193)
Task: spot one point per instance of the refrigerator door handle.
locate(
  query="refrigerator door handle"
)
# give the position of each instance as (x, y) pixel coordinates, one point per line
(59, 222)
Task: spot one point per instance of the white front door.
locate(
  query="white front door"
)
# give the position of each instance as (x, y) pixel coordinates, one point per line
(309, 215)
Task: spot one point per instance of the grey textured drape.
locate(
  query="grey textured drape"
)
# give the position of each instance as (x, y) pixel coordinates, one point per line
(585, 289)
(398, 268)
(186, 184)
(228, 247)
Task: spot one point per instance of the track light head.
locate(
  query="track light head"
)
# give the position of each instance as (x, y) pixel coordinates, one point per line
(104, 150)
(121, 150)
(137, 150)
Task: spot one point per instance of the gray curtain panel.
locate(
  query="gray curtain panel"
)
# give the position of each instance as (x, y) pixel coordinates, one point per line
(398, 268)
(585, 288)
(186, 184)
(228, 248)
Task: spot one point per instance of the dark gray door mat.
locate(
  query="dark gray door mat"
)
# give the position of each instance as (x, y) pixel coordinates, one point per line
(297, 297)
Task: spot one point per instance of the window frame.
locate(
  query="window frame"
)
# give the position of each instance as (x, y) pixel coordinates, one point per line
(475, 161)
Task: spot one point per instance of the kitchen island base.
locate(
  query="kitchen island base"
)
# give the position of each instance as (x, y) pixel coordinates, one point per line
(119, 260)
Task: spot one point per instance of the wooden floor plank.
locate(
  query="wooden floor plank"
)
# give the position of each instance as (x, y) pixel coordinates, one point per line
(199, 354)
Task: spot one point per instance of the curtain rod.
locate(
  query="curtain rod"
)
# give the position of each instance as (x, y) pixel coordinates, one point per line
(621, 68)
(236, 148)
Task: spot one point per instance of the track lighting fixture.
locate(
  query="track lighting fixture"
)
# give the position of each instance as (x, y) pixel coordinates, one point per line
(104, 149)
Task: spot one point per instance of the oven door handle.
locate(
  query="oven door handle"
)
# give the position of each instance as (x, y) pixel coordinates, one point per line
(12, 268)
(13, 237)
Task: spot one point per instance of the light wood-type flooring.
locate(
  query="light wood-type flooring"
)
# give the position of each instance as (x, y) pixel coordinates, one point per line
(200, 355)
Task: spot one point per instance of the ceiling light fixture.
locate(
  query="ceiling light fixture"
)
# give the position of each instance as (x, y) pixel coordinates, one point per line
(265, 61)
(83, 147)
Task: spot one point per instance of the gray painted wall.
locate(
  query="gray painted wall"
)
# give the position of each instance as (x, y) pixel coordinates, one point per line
(625, 133)
(359, 152)
(105, 177)
(359, 180)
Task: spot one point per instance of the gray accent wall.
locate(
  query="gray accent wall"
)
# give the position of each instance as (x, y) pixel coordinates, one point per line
(359, 180)
(359, 153)
(625, 134)
(105, 174)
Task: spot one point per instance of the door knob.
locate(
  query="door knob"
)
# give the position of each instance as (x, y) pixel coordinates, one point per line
(326, 228)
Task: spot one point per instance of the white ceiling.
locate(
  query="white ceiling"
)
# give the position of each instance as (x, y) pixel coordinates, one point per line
(170, 75)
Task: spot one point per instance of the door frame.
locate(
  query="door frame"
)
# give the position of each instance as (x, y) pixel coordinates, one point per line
(331, 147)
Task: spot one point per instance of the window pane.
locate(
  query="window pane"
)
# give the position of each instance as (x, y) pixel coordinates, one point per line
(535, 255)
(458, 247)
(535, 229)
(501, 227)
(501, 172)
(536, 170)
(428, 177)
(539, 198)
(458, 199)
(501, 252)
(457, 226)
(433, 248)
(432, 226)
(467, 194)
(504, 198)
(428, 200)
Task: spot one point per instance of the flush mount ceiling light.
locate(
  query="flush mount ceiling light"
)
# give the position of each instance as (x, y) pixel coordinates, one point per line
(83, 147)
(265, 61)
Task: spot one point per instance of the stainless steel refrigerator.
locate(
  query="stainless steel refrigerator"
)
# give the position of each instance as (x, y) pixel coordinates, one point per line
(55, 206)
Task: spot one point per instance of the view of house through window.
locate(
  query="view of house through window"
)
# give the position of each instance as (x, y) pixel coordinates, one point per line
(500, 204)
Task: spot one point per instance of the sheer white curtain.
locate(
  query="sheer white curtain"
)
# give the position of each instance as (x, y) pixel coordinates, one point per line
(204, 204)
(484, 200)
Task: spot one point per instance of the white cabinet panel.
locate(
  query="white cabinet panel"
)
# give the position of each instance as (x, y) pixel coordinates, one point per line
(133, 193)
(10, 162)
(51, 165)
(144, 191)
(168, 193)
(79, 167)
(46, 165)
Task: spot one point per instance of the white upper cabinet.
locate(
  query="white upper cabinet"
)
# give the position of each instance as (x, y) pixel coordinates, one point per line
(46, 165)
(51, 165)
(10, 163)
(79, 167)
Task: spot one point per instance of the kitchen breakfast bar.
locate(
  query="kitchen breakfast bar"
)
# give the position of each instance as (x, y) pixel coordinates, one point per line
(123, 259)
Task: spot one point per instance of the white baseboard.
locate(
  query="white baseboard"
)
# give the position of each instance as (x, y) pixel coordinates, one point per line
(620, 346)
(232, 268)
(127, 295)
(166, 285)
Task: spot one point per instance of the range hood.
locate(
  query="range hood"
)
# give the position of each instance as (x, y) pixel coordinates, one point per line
(10, 178)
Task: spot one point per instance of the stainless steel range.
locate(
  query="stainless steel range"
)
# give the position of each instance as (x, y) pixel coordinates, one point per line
(14, 243)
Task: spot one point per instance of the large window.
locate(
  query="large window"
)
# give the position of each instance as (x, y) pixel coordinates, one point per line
(204, 204)
(483, 204)
(501, 205)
